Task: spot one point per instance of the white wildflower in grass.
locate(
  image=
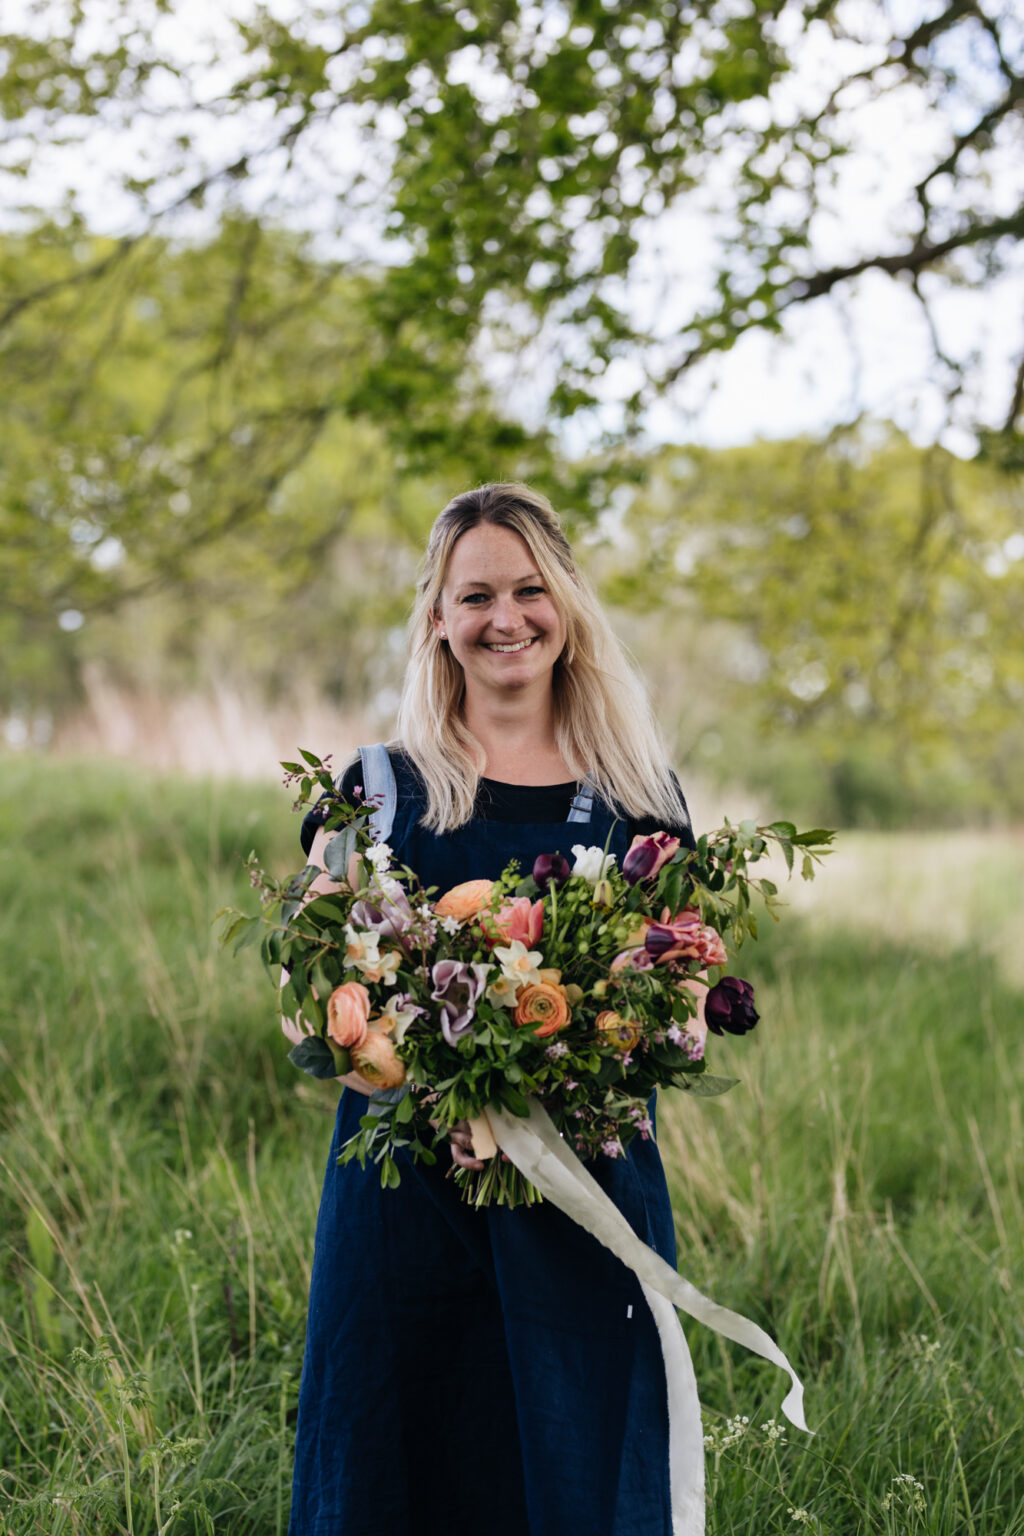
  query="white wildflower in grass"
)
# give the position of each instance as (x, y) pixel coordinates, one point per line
(804, 1517)
(720, 1436)
(518, 963)
(775, 1432)
(592, 863)
(905, 1495)
(921, 1349)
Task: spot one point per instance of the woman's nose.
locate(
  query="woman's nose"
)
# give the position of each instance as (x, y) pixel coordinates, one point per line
(506, 614)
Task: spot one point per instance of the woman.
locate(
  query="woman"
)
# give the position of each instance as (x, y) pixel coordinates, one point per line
(493, 1371)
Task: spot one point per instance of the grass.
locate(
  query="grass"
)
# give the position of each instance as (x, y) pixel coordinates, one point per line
(859, 1194)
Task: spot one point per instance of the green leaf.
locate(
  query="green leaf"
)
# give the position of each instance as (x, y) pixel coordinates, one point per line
(314, 1057)
(338, 851)
(782, 829)
(707, 1086)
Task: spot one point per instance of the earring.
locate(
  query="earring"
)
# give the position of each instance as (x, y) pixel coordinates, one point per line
(443, 633)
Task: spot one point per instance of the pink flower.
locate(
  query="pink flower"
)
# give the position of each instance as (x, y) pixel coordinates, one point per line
(520, 919)
(684, 937)
(647, 855)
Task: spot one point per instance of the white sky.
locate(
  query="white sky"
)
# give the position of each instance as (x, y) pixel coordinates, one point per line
(868, 352)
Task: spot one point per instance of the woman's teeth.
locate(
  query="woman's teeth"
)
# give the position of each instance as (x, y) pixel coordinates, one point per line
(506, 650)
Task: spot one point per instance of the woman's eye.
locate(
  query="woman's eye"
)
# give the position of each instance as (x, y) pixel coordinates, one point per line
(531, 591)
(475, 597)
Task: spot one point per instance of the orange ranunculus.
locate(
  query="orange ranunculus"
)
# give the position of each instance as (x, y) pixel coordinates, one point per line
(465, 901)
(377, 1060)
(622, 1033)
(348, 1009)
(521, 919)
(545, 1004)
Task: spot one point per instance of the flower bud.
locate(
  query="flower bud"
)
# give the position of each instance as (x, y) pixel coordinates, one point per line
(550, 869)
(729, 1006)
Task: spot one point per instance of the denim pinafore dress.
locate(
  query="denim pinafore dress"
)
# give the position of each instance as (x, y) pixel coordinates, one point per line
(480, 1372)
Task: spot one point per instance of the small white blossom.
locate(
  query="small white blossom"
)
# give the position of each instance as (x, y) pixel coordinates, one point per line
(380, 856)
(451, 925)
(518, 963)
(592, 863)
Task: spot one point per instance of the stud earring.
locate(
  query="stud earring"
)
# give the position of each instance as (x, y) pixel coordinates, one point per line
(443, 633)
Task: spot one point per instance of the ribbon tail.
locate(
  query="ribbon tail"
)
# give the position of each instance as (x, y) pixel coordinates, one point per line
(685, 1430)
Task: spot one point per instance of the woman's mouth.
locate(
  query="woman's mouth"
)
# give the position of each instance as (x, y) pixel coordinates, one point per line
(511, 649)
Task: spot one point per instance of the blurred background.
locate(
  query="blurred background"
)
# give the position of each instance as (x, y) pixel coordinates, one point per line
(740, 285)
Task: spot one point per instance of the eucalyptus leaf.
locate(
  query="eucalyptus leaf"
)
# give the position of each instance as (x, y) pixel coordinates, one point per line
(339, 851)
(708, 1086)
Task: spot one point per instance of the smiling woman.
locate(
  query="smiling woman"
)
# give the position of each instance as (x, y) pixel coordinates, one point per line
(523, 733)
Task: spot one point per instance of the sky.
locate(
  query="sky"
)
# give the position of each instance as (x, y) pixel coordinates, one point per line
(869, 351)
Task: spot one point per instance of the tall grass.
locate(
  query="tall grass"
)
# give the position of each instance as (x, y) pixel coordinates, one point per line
(859, 1194)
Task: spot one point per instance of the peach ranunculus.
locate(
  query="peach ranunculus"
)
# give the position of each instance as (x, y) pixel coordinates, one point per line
(466, 901)
(521, 919)
(544, 1004)
(348, 1009)
(377, 1060)
(622, 1033)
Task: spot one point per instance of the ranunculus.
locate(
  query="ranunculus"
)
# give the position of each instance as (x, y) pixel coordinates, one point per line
(622, 1033)
(550, 869)
(348, 1009)
(520, 919)
(729, 1006)
(377, 1060)
(684, 937)
(465, 901)
(545, 1004)
(457, 987)
(646, 856)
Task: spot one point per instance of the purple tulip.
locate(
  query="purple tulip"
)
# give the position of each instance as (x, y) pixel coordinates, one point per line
(551, 869)
(392, 919)
(729, 1006)
(646, 856)
(457, 987)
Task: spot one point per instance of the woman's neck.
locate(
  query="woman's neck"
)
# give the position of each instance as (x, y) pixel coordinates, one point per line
(518, 740)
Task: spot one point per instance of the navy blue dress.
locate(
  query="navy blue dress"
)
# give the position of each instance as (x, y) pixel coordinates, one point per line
(493, 1371)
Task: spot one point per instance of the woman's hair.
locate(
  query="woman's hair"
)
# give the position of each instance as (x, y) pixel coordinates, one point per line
(605, 729)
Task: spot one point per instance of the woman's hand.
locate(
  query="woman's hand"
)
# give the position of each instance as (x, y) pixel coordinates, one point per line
(462, 1146)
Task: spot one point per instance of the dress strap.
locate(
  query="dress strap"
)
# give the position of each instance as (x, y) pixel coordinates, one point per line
(380, 785)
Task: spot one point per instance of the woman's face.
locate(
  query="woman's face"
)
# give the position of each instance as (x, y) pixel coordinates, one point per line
(501, 623)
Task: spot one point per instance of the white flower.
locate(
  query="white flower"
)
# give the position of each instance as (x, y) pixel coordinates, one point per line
(518, 963)
(402, 1010)
(379, 856)
(502, 992)
(450, 924)
(592, 863)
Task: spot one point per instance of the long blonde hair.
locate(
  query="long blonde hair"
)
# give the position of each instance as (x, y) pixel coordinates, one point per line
(605, 729)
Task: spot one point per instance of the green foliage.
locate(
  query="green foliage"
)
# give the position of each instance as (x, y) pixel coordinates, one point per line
(859, 1193)
(869, 599)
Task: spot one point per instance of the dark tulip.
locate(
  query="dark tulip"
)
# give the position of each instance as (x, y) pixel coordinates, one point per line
(729, 1006)
(551, 869)
(646, 855)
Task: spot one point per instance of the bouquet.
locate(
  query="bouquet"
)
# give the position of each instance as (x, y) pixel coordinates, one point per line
(576, 983)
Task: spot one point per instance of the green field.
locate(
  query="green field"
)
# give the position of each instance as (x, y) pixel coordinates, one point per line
(859, 1194)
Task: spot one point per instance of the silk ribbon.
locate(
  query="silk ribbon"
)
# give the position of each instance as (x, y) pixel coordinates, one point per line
(542, 1156)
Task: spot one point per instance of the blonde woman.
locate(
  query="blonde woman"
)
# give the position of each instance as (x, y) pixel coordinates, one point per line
(494, 1372)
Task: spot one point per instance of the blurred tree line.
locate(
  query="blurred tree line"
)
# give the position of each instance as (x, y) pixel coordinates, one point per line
(223, 433)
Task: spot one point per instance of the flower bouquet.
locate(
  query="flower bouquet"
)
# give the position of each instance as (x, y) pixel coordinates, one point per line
(575, 984)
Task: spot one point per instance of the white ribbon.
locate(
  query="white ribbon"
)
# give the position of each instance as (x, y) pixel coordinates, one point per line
(540, 1154)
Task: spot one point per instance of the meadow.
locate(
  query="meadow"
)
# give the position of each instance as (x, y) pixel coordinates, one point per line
(858, 1194)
